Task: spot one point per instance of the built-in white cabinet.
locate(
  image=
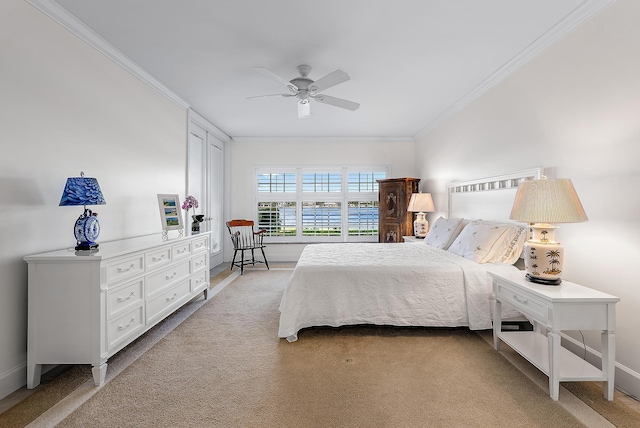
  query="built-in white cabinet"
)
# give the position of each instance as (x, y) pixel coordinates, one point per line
(86, 306)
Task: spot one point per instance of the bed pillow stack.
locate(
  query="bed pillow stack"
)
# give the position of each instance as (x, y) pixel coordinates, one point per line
(444, 231)
(490, 242)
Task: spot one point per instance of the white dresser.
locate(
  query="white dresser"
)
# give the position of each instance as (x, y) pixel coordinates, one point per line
(86, 306)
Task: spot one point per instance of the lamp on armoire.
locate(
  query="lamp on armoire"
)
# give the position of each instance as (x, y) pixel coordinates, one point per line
(84, 191)
(421, 203)
(540, 203)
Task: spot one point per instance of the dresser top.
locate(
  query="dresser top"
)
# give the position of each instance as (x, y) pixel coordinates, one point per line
(107, 250)
(565, 292)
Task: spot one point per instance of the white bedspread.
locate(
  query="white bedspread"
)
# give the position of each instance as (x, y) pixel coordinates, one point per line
(386, 284)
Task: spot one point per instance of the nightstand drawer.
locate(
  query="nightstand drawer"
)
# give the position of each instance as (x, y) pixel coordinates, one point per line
(522, 302)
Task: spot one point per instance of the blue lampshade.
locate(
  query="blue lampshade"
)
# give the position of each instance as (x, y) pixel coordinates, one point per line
(84, 191)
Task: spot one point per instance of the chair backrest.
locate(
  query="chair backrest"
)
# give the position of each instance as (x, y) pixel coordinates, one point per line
(242, 233)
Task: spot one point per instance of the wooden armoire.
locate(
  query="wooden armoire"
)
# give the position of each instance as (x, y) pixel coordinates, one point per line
(394, 221)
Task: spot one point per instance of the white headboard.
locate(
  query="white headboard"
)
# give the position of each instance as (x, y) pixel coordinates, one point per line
(489, 198)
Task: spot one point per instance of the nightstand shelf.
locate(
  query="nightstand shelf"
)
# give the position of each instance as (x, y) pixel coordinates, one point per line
(535, 348)
(552, 309)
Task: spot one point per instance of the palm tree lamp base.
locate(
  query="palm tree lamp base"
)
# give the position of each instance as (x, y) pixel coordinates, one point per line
(543, 256)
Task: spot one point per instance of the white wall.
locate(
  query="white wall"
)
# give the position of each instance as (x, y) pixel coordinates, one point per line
(248, 153)
(574, 110)
(65, 108)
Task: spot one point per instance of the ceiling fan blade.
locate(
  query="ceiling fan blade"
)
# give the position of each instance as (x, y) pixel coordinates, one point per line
(331, 79)
(338, 102)
(277, 78)
(304, 109)
(270, 96)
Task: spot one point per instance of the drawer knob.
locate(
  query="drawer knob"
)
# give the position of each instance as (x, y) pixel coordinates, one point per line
(157, 259)
(168, 277)
(520, 300)
(124, 299)
(181, 250)
(172, 297)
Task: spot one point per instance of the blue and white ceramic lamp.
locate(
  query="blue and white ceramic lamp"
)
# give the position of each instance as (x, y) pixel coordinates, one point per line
(84, 191)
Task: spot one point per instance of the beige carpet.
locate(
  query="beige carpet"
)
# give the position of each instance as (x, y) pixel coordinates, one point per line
(225, 367)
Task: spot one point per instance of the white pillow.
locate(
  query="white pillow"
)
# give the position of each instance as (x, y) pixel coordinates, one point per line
(477, 240)
(443, 232)
(509, 247)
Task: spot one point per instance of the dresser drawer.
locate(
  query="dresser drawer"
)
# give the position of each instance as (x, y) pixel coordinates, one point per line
(167, 299)
(124, 297)
(199, 244)
(199, 262)
(124, 326)
(181, 250)
(157, 282)
(200, 281)
(525, 303)
(124, 268)
(157, 259)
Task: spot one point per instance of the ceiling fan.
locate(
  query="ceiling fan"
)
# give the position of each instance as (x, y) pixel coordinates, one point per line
(306, 89)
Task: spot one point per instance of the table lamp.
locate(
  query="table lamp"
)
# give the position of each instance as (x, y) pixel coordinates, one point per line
(539, 203)
(421, 203)
(84, 191)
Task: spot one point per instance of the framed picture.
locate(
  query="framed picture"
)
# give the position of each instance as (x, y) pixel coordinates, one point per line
(170, 212)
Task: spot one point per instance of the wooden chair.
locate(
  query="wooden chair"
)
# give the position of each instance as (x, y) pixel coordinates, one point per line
(244, 238)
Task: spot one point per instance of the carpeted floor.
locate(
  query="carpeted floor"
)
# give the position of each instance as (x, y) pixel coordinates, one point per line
(224, 367)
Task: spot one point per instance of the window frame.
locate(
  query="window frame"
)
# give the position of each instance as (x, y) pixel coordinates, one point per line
(299, 197)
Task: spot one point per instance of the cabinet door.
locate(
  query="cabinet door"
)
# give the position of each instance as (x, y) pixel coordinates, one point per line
(392, 211)
(393, 200)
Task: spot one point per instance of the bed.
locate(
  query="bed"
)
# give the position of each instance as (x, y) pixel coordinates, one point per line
(441, 282)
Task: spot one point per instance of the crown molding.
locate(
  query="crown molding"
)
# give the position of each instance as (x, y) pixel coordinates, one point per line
(316, 140)
(59, 14)
(577, 17)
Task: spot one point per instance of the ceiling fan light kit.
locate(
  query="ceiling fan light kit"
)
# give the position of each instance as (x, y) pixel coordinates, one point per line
(306, 89)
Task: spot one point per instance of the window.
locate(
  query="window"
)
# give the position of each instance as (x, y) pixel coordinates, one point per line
(327, 204)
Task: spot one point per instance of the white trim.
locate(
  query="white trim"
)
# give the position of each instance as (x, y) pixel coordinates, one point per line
(580, 15)
(201, 121)
(59, 14)
(316, 140)
(13, 379)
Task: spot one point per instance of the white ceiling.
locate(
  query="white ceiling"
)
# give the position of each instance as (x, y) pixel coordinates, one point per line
(411, 62)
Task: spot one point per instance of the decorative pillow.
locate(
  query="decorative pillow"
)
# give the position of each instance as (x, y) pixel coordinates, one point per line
(477, 240)
(509, 247)
(443, 232)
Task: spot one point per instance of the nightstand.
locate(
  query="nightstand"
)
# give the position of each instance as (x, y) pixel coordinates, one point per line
(567, 306)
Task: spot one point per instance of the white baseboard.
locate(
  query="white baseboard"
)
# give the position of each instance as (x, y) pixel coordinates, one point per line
(626, 379)
(13, 379)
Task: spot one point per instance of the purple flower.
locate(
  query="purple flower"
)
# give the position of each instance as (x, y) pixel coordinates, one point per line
(190, 202)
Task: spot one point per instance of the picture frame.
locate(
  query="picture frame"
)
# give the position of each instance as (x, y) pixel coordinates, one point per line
(170, 213)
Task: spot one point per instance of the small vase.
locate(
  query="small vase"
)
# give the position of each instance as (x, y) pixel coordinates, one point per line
(195, 225)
